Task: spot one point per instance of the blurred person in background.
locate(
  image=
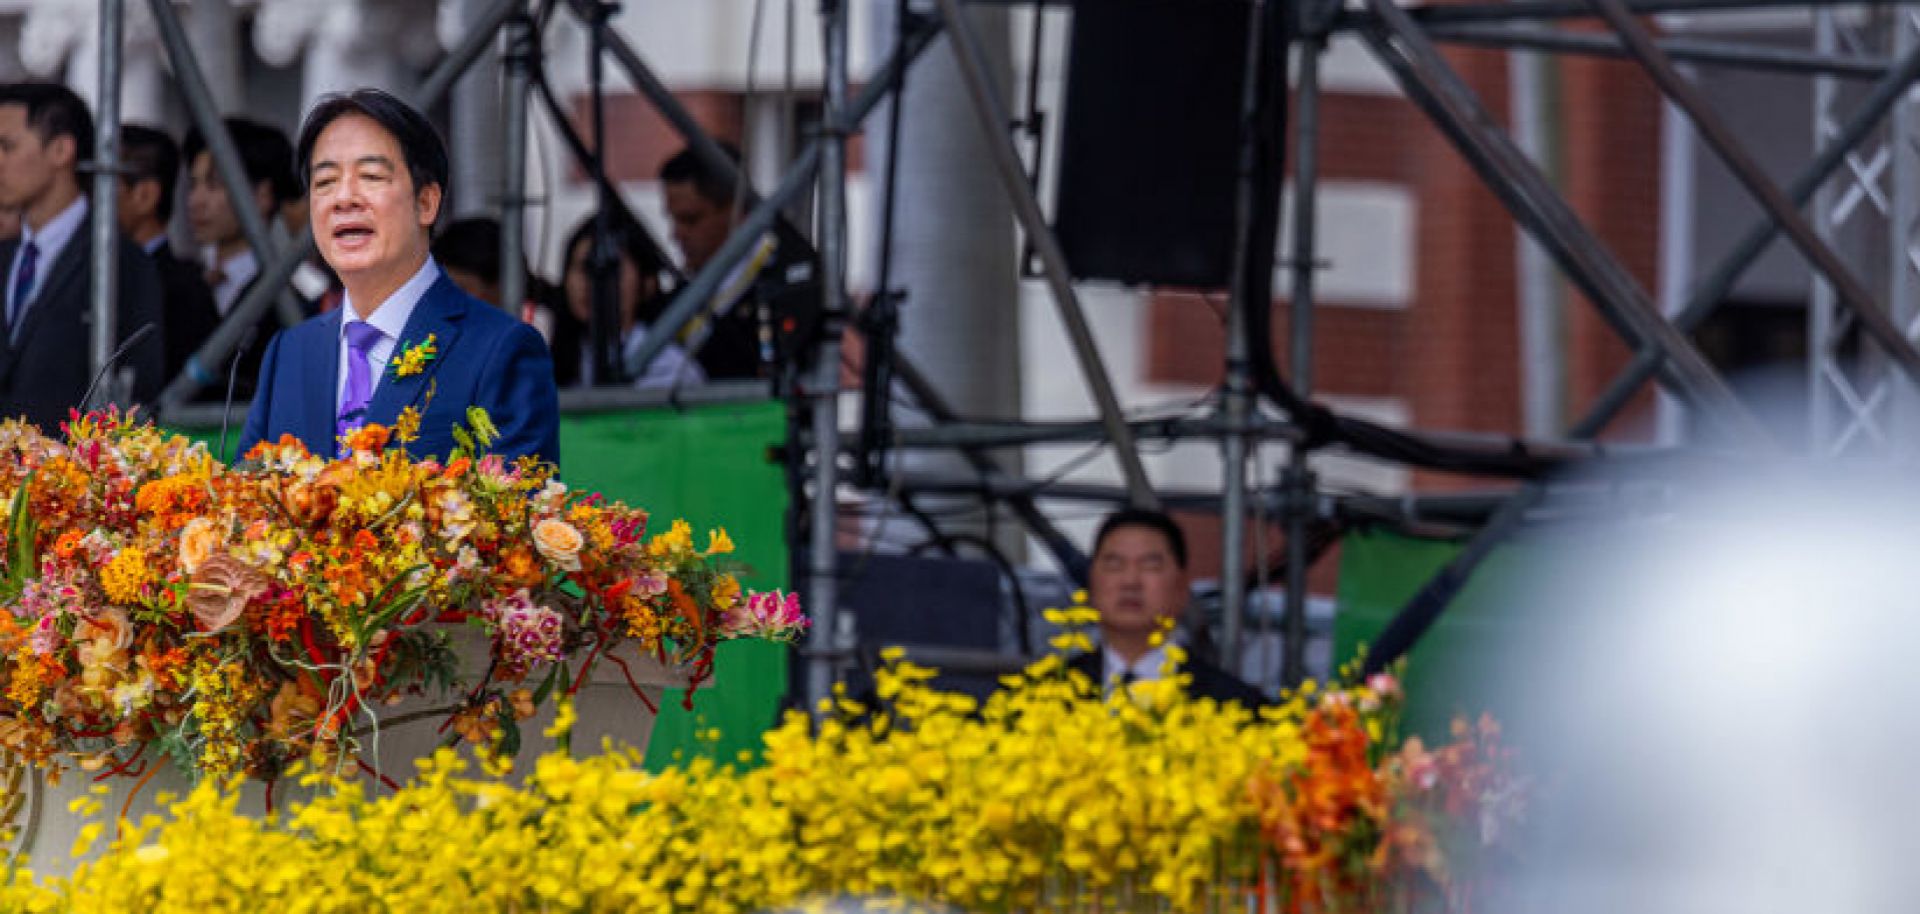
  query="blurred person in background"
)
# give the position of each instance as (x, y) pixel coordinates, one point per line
(46, 133)
(152, 171)
(469, 250)
(1138, 581)
(772, 292)
(230, 262)
(640, 303)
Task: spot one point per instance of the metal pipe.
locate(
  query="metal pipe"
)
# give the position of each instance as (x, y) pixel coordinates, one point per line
(275, 272)
(1718, 137)
(694, 297)
(955, 433)
(823, 586)
(678, 117)
(1712, 53)
(518, 60)
(1714, 288)
(226, 156)
(104, 336)
(1236, 396)
(993, 117)
(1428, 80)
(1071, 559)
(1542, 328)
(1299, 481)
(1439, 13)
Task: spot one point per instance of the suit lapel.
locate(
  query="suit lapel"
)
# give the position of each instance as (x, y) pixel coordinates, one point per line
(68, 269)
(322, 353)
(7, 252)
(439, 315)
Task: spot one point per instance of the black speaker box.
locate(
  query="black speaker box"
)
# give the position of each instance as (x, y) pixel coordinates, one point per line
(1150, 140)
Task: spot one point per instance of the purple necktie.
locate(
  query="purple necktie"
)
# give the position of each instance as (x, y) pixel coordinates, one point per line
(22, 284)
(353, 406)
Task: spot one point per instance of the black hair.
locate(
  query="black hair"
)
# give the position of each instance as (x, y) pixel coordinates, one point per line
(265, 155)
(471, 244)
(420, 144)
(54, 111)
(686, 165)
(629, 237)
(149, 154)
(1157, 521)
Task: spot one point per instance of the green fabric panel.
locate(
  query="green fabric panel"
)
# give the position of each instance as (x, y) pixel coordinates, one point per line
(1450, 670)
(709, 465)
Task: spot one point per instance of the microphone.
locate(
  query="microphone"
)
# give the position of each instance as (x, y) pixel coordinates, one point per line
(126, 345)
(233, 374)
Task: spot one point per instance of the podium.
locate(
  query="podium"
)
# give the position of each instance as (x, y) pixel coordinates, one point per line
(606, 707)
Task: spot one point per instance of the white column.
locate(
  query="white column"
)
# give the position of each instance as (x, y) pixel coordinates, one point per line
(475, 138)
(213, 30)
(954, 248)
(348, 52)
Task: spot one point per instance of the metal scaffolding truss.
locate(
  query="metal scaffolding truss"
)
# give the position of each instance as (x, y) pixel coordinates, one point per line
(1862, 187)
(1858, 405)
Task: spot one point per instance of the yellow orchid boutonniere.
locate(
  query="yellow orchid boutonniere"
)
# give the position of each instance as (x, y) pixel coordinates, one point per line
(413, 359)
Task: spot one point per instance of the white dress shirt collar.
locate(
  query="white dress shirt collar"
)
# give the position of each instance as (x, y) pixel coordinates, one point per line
(390, 319)
(52, 238)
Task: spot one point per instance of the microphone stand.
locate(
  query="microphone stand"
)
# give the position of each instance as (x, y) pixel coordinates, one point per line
(233, 375)
(126, 345)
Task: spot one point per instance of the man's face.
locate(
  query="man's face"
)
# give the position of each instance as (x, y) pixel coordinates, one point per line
(28, 164)
(369, 221)
(1135, 581)
(210, 214)
(699, 224)
(138, 201)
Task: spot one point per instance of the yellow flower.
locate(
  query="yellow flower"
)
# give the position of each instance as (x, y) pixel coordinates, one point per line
(126, 575)
(676, 541)
(718, 543)
(413, 360)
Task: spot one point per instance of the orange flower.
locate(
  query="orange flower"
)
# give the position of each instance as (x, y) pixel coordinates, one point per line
(198, 539)
(518, 566)
(110, 625)
(371, 438)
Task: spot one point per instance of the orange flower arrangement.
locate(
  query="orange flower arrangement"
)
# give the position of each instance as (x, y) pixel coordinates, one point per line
(152, 598)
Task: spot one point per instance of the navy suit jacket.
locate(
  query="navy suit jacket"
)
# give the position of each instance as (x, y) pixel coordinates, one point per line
(485, 358)
(44, 369)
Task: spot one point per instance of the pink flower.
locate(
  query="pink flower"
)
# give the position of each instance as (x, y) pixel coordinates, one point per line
(525, 632)
(770, 615)
(221, 590)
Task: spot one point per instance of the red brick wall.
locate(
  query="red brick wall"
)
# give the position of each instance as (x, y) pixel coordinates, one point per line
(1452, 355)
(1611, 117)
(641, 140)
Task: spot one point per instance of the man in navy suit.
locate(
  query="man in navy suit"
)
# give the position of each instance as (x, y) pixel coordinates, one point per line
(46, 311)
(376, 175)
(1138, 582)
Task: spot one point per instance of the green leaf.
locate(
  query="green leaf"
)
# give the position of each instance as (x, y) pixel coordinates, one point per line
(23, 561)
(509, 731)
(546, 687)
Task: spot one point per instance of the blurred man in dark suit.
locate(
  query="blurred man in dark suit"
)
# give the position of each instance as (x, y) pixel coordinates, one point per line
(1139, 584)
(46, 131)
(152, 164)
